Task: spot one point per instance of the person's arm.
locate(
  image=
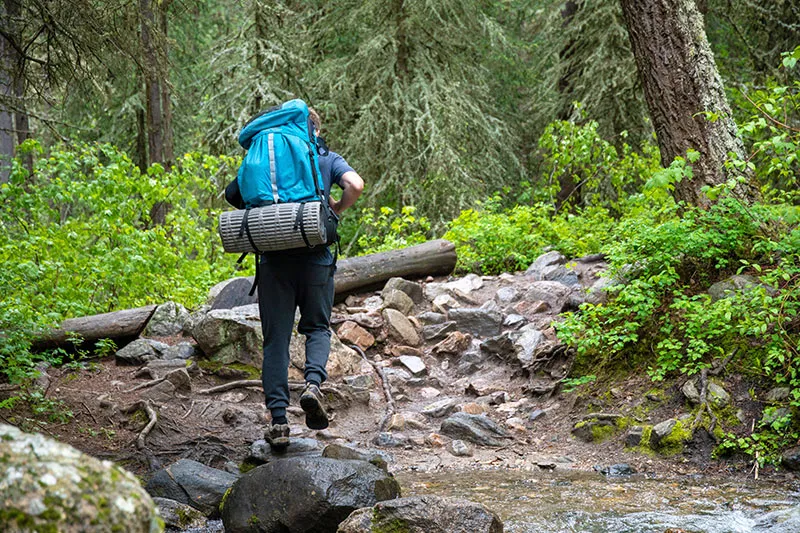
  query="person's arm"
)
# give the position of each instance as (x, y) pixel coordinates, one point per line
(352, 186)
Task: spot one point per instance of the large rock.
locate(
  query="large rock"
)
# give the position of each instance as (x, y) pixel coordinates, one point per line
(167, 320)
(400, 328)
(790, 459)
(192, 483)
(50, 486)
(342, 360)
(304, 494)
(395, 299)
(740, 283)
(474, 428)
(232, 293)
(178, 515)
(527, 343)
(550, 267)
(555, 294)
(413, 290)
(352, 333)
(423, 514)
(261, 452)
(231, 335)
(137, 352)
(478, 322)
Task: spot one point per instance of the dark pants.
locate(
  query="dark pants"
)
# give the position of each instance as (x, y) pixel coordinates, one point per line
(285, 284)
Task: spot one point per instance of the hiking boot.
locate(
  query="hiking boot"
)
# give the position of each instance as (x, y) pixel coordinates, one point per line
(277, 436)
(311, 402)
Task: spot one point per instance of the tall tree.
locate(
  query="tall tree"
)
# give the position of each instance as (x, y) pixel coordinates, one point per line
(684, 92)
(155, 70)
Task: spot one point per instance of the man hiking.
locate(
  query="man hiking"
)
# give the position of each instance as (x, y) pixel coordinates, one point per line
(300, 278)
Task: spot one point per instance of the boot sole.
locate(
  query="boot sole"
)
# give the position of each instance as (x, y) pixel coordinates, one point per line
(316, 417)
(280, 443)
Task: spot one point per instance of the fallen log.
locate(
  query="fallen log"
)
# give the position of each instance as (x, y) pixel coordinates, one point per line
(128, 323)
(367, 272)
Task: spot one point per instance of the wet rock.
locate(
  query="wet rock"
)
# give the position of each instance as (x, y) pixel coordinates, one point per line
(690, 391)
(634, 436)
(429, 318)
(438, 331)
(399, 300)
(231, 335)
(778, 394)
(410, 288)
(262, 453)
(621, 469)
(340, 451)
(50, 486)
(304, 494)
(455, 343)
(790, 459)
(474, 428)
(479, 322)
(429, 514)
(459, 448)
(738, 284)
(550, 267)
(179, 515)
(440, 408)
(400, 328)
(137, 352)
(350, 332)
(192, 483)
(235, 293)
(717, 395)
(661, 431)
(167, 320)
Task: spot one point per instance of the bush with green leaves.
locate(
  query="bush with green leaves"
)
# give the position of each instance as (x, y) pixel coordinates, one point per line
(382, 228)
(79, 239)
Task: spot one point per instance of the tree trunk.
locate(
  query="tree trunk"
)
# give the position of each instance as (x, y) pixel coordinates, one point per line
(115, 325)
(155, 121)
(12, 118)
(681, 86)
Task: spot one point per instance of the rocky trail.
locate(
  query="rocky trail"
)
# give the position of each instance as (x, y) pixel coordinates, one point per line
(461, 374)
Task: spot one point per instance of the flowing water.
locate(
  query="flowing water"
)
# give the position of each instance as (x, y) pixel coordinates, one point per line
(555, 502)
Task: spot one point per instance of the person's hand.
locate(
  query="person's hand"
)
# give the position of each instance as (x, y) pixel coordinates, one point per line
(336, 206)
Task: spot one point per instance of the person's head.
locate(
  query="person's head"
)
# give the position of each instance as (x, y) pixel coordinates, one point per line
(314, 116)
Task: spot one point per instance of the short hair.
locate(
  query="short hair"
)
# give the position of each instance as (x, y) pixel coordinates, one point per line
(314, 116)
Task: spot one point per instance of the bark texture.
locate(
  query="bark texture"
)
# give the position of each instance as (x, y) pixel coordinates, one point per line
(114, 325)
(681, 84)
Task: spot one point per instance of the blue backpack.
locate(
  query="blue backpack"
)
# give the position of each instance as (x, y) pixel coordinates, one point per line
(281, 164)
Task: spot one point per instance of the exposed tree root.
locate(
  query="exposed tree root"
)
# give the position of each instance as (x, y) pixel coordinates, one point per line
(151, 416)
(387, 392)
(705, 405)
(145, 385)
(232, 385)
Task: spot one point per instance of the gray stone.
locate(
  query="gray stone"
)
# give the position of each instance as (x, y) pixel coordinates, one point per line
(507, 295)
(379, 458)
(536, 414)
(261, 452)
(526, 345)
(342, 360)
(50, 486)
(387, 439)
(477, 429)
(690, 391)
(502, 346)
(360, 381)
(634, 436)
(399, 300)
(400, 328)
(167, 320)
(661, 431)
(304, 494)
(738, 284)
(773, 414)
(231, 335)
(414, 364)
(194, 318)
(444, 303)
(790, 459)
(440, 408)
(412, 289)
(459, 448)
(598, 292)
(550, 267)
(514, 321)
(465, 285)
(428, 514)
(182, 350)
(478, 322)
(179, 515)
(547, 259)
(429, 318)
(192, 483)
(436, 332)
(490, 305)
(617, 470)
(553, 293)
(778, 394)
(717, 395)
(235, 293)
(137, 352)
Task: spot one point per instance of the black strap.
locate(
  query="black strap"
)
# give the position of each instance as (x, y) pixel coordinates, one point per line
(245, 228)
(300, 223)
(255, 279)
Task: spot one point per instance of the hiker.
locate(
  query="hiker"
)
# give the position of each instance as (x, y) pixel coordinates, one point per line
(300, 278)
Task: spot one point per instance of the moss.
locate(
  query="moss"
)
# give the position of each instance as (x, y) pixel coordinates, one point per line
(253, 520)
(252, 373)
(673, 443)
(246, 466)
(623, 423)
(602, 432)
(209, 366)
(389, 526)
(224, 498)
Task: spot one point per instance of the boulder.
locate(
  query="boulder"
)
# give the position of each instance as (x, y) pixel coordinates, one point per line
(423, 514)
(399, 300)
(232, 293)
(554, 294)
(740, 283)
(506, 295)
(340, 451)
(412, 289)
(231, 335)
(342, 360)
(182, 350)
(352, 333)
(550, 267)
(465, 285)
(178, 515)
(262, 453)
(526, 345)
(304, 494)
(194, 318)
(661, 431)
(137, 352)
(634, 436)
(475, 428)
(718, 396)
(167, 320)
(50, 486)
(476, 321)
(790, 459)
(690, 391)
(401, 328)
(192, 483)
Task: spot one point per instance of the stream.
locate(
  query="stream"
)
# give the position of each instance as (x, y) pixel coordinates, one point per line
(556, 502)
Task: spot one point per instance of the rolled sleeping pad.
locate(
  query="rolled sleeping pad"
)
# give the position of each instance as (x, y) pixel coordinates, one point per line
(272, 227)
